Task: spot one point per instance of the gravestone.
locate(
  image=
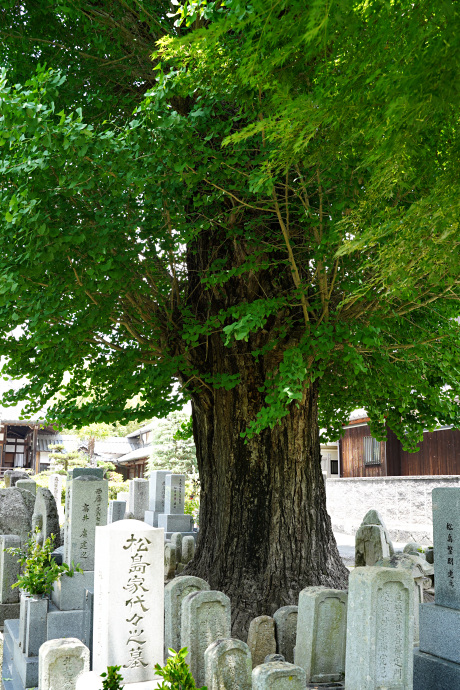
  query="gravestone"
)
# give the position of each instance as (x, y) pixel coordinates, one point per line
(176, 543)
(261, 639)
(170, 561)
(124, 496)
(45, 517)
(138, 498)
(10, 477)
(15, 513)
(128, 600)
(420, 570)
(228, 665)
(61, 663)
(285, 631)
(28, 485)
(157, 484)
(87, 503)
(55, 486)
(278, 675)
(379, 629)
(173, 519)
(175, 592)
(9, 573)
(372, 540)
(414, 549)
(321, 634)
(117, 510)
(206, 618)
(437, 662)
(188, 549)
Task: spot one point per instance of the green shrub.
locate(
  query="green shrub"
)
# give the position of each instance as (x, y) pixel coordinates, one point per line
(38, 570)
(112, 679)
(177, 673)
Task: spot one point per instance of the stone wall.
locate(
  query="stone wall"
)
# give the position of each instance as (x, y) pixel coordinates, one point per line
(403, 502)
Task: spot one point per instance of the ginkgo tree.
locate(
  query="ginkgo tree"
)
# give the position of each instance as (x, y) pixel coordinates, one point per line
(253, 206)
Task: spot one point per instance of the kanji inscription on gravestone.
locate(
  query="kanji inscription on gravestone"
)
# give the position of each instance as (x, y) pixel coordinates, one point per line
(446, 536)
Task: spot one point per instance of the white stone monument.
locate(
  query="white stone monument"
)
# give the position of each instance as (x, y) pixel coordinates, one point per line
(157, 485)
(128, 600)
(380, 629)
(60, 663)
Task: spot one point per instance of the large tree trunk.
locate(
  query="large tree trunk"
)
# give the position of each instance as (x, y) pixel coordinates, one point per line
(264, 530)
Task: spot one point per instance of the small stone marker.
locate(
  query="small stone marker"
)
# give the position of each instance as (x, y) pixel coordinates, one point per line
(128, 599)
(278, 675)
(138, 498)
(372, 541)
(36, 611)
(379, 629)
(414, 549)
(12, 476)
(88, 497)
(285, 631)
(117, 510)
(55, 486)
(60, 664)
(175, 494)
(123, 496)
(228, 665)
(321, 634)
(28, 485)
(9, 569)
(261, 639)
(206, 618)
(175, 593)
(188, 549)
(170, 561)
(46, 518)
(176, 543)
(157, 483)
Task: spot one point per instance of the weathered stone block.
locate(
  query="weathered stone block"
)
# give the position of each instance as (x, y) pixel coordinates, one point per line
(228, 665)
(175, 592)
(261, 639)
(286, 630)
(61, 662)
(278, 675)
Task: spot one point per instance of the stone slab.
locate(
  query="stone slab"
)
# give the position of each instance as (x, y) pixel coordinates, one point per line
(278, 675)
(88, 612)
(157, 483)
(175, 494)
(9, 569)
(138, 498)
(61, 662)
(27, 484)
(65, 624)
(433, 673)
(440, 631)
(175, 523)
(68, 592)
(25, 667)
(446, 543)
(86, 500)
(35, 628)
(175, 592)
(117, 510)
(75, 472)
(8, 611)
(128, 626)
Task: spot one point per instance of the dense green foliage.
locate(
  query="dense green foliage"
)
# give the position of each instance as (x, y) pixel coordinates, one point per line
(39, 571)
(315, 145)
(112, 679)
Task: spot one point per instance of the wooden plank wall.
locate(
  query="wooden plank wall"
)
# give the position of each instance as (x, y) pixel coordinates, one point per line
(352, 454)
(439, 454)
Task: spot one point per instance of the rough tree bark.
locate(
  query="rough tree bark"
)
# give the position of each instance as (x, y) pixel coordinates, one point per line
(264, 530)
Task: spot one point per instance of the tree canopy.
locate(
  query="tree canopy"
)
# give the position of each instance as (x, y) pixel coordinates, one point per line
(319, 141)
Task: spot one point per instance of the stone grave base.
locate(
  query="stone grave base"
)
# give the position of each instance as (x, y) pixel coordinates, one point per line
(325, 686)
(91, 681)
(18, 671)
(431, 672)
(168, 535)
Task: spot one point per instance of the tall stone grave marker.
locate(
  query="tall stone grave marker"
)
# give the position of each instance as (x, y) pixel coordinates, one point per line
(87, 510)
(117, 510)
(173, 519)
(138, 498)
(261, 639)
(45, 517)
(228, 665)
(128, 600)
(205, 619)
(157, 486)
(60, 664)
(437, 662)
(28, 485)
(175, 593)
(286, 630)
(321, 634)
(55, 486)
(9, 573)
(379, 629)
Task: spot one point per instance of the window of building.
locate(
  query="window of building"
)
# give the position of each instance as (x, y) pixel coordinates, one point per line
(334, 466)
(371, 451)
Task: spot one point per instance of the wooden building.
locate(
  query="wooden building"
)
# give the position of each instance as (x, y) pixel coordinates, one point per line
(18, 445)
(360, 455)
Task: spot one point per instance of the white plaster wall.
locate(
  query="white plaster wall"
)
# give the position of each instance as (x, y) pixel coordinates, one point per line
(403, 502)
